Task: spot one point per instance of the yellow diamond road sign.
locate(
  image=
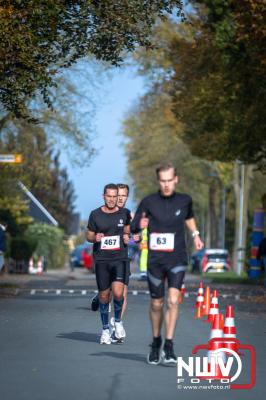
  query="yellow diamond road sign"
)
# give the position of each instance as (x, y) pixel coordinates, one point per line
(11, 158)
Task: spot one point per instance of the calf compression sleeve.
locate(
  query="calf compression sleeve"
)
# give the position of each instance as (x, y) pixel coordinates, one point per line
(118, 304)
(104, 308)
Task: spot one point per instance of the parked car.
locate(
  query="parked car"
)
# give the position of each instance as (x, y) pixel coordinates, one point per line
(196, 259)
(87, 257)
(216, 260)
(82, 256)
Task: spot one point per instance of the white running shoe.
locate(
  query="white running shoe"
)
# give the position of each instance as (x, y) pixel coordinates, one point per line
(112, 323)
(120, 332)
(105, 337)
(112, 326)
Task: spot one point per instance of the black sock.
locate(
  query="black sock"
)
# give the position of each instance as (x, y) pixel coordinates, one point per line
(157, 341)
(168, 342)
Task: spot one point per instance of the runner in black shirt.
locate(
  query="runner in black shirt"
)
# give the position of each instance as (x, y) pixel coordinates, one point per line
(165, 214)
(108, 229)
(123, 192)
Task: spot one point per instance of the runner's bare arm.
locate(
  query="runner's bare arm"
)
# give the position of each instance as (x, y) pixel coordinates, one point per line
(191, 225)
(127, 229)
(140, 220)
(91, 236)
(94, 237)
(126, 234)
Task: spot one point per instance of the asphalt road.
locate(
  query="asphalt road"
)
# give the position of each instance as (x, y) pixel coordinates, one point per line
(49, 350)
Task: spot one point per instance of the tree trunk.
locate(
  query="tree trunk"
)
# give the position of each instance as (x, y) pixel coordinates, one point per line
(221, 242)
(212, 223)
(247, 184)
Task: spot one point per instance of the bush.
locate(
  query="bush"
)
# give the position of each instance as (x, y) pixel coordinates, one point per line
(50, 244)
(22, 248)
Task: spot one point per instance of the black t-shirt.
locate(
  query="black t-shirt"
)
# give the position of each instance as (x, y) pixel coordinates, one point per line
(112, 226)
(166, 215)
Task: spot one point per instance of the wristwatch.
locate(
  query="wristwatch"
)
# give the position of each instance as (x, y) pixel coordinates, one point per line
(195, 233)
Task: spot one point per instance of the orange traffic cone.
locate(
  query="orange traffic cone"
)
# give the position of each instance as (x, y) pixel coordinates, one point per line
(39, 267)
(222, 321)
(199, 313)
(214, 307)
(199, 302)
(182, 293)
(229, 325)
(213, 355)
(207, 300)
(230, 329)
(217, 330)
(200, 297)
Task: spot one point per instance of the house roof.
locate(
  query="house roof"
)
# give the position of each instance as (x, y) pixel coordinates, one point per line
(36, 210)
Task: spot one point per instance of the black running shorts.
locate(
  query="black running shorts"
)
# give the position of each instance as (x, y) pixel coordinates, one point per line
(158, 273)
(108, 272)
(128, 273)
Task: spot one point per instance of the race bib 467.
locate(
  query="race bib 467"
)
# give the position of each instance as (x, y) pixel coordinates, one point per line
(110, 243)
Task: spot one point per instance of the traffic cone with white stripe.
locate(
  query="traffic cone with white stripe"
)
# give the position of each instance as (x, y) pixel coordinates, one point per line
(213, 355)
(182, 293)
(200, 297)
(229, 324)
(230, 329)
(217, 329)
(39, 267)
(214, 307)
(199, 302)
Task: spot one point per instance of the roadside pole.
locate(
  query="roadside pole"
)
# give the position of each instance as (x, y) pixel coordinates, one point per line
(240, 250)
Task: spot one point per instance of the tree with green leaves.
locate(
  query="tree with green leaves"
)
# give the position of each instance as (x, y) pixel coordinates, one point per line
(222, 97)
(40, 172)
(39, 38)
(191, 65)
(49, 243)
(215, 73)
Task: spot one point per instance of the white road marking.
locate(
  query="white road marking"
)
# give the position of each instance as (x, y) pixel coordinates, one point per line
(132, 292)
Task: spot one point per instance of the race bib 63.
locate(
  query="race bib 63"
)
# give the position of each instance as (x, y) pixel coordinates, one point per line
(162, 241)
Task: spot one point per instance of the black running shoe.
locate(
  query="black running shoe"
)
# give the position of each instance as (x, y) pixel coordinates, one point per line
(115, 340)
(168, 355)
(95, 303)
(154, 357)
